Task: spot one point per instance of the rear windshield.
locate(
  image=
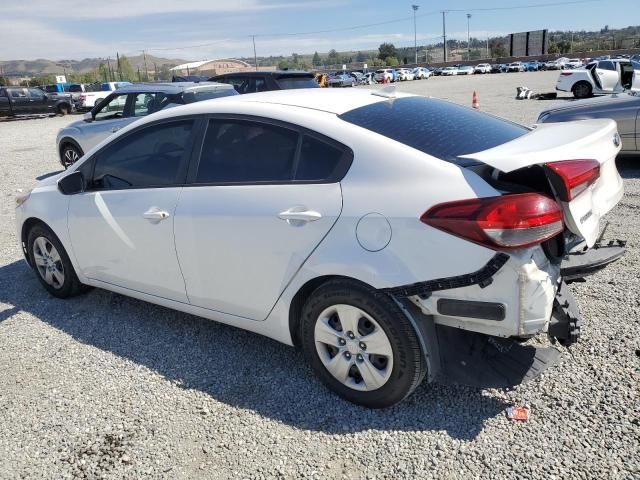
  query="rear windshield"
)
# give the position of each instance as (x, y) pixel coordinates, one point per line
(301, 81)
(75, 88)
(441, 129)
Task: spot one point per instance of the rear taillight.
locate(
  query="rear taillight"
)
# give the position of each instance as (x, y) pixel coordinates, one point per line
(566, 74)
(504, 222)
(572, 177)
(82, 98)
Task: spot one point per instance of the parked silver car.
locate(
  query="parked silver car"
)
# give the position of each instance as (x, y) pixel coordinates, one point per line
(624, 108)
(125, 106)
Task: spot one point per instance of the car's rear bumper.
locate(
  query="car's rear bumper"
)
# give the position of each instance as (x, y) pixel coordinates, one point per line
(513, 295)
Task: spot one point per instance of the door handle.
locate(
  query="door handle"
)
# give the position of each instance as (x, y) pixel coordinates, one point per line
(299, 216)
(155, 215)
(115, 129)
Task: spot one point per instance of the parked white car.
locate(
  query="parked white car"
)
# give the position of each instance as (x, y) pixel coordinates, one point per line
(604, 76)
(516, 67)
(483, 68)
(448, 71)
(353, 225)
(421, 73)
(95, 93)
(405, 74)
(383, 75)
(557, 64)
(466, 70)
(574, 63)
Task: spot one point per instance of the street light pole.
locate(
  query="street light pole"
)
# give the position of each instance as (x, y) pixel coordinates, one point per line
(468, 38)
(415, 34)
(444, 36)
(255, 58)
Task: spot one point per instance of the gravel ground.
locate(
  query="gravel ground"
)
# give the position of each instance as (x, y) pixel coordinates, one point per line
(103, 386)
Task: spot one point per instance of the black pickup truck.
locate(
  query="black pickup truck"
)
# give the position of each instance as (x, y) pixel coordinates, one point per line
(33, 101)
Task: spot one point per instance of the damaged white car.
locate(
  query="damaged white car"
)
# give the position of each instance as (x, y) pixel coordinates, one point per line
(392, 238)
(601, 77)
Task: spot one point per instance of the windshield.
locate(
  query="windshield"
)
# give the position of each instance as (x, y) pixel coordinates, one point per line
(75, 88)
(431, 125)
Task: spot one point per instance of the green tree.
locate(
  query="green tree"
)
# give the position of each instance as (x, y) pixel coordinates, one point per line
(553, 48)
(295, 57)
(164, 73)
(316, 61)
(391, 61)
(386, 50)
(361, 57)
(126, 70)
(497, 48)
(4, 81)
(333, 56)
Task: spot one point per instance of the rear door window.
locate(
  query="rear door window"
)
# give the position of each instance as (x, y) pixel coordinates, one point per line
(436, 127)
(607, 65)
(147, 103)
(293, 82)
(238, 151)
(320, 161)
(151, 157)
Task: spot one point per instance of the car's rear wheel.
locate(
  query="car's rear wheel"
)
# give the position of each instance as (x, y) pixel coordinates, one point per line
(360, 344)
(51, 263)
(64, 109)
(582, 90)
(69, 155)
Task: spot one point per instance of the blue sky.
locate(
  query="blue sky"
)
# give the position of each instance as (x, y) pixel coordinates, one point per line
(205, 29)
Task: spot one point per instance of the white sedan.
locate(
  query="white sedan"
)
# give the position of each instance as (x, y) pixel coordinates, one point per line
(482, 68)
(448, 71)
(601, 77)
(348, 224)
(405, 74)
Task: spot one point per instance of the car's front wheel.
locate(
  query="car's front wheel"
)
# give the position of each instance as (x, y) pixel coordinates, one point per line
(51, 263)
(69, 154)
(361, 344)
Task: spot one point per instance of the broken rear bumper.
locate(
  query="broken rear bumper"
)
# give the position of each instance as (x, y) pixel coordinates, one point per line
(581, 264)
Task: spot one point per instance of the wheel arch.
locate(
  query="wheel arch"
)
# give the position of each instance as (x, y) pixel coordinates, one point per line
(64, 141)
(27, 225)
(301, 296)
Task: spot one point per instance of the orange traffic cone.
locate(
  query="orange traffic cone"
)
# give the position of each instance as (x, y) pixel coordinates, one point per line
(474, 101)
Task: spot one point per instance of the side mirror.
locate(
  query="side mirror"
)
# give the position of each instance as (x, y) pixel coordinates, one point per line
(88, 117)
(72, 183)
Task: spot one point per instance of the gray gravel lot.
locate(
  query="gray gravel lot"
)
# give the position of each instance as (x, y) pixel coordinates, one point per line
(104, 386)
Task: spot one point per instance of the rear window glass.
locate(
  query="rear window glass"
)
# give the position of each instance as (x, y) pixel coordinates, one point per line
(75, 88)
(441, 129)
(200, 95)
(318, 160)
(290, 83)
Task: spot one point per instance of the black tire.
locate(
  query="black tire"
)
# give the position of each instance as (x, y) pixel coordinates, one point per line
(64, 109)
(69, 154)
(71, 286)
(409, 365)
(582, 89)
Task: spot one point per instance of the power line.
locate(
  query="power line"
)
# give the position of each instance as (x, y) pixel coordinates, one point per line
(376, 24)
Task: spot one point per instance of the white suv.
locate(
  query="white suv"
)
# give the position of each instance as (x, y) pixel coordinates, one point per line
(387, 243)
(483, 68)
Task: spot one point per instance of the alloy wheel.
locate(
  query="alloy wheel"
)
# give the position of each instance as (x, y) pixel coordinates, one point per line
(48, 262)
(353, 347)
(70, 156)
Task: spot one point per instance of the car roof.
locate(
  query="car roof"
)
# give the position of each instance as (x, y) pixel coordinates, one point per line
(172, 88)
(329, 100)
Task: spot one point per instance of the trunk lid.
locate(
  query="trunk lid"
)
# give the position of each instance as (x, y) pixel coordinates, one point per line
(554, 142)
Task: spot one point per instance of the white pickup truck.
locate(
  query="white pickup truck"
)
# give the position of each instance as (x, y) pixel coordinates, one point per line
(92, 94)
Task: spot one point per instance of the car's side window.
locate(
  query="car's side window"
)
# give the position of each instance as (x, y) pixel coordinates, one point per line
(238, 151)
(113, 109)
(147, 103)
(318, 160)
(152, 156)
(36, 94)
(19, 93)
(606, 65)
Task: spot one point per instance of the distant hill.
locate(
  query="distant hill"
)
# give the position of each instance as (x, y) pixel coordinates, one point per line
(42, 66)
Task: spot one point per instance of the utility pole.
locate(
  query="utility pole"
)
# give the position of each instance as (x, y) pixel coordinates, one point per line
(444, 36)
(487, 46)
(155, 71)
(468, 38)
(255, 57)
(146, 70)
(109, 68)
(571, 48)
(415, 34)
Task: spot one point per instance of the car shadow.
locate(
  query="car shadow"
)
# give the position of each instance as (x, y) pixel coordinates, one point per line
(233, 366)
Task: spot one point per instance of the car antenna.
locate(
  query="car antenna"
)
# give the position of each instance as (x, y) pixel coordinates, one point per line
(388, 92)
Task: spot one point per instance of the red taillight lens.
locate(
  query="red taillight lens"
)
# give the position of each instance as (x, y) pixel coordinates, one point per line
(572, 177)
(566, 74)
(508, 221)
